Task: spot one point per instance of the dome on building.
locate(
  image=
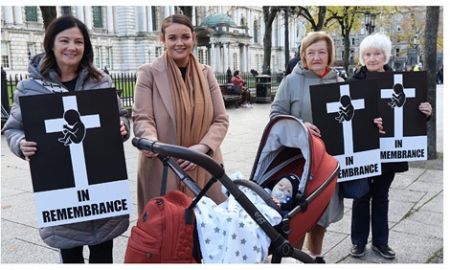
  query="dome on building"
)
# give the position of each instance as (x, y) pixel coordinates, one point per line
(216, 19)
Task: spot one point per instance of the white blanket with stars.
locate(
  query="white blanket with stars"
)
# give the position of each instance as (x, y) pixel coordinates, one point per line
(227, 234)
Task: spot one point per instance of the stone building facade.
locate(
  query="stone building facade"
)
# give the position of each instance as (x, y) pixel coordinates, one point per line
(125, 37)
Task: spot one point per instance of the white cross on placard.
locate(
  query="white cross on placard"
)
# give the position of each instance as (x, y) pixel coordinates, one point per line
(398, 111)
(76, 149)
(333, 107)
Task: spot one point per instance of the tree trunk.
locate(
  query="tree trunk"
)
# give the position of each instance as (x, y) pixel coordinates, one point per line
(269, 16)
(346, 37)
(286, 37)
(431, 30)
(321, 18)
(48, 14)
(187, 10)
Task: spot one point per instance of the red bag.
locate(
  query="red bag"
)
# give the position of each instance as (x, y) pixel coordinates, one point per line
(164, 232)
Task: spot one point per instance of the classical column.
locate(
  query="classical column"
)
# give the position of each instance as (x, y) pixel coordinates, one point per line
(110, 19)
(149, 19)
(172, 10)
(195, 52)
(88, 16)
(226, 58)
(8, 13)
(251, 22)
(247, 59)
(18, 17)
(211, 55)
(141, 19)
(166, 11)
(217, 60)
(80, 13)
(194, 19)
(242, 58)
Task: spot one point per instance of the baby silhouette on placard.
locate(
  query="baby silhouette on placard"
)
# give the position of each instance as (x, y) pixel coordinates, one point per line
(74, 130)
(398, 98)
(346, 110)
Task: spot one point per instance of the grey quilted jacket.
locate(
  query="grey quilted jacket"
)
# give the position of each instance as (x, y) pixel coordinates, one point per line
(293, 96)
(77, 234)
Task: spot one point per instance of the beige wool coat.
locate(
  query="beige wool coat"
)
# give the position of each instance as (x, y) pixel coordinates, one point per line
(154, 118)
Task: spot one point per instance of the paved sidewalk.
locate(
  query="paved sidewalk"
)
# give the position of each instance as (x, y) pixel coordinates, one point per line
(416, 202)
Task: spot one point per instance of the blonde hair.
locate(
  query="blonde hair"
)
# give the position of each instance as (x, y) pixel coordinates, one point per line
(314, 37)
(376, 41)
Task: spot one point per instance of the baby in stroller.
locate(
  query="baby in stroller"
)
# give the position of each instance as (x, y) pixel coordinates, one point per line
(249, 225)
(284, 192)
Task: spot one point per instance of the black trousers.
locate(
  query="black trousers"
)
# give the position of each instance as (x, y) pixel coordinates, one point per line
(372, 209)
(101, 253)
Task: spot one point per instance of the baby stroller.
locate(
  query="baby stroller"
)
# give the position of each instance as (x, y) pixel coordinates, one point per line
(286, 148)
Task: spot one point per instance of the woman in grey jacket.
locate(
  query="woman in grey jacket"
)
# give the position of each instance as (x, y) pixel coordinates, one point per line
(293, 98)
(67, 66)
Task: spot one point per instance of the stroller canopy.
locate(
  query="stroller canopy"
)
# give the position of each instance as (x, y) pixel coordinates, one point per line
(282, 135)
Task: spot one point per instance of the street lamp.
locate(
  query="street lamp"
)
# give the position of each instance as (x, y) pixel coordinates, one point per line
(369, 21)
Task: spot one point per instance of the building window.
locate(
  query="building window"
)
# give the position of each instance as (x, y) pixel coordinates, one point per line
(272, 64)
(255, 31)
(201, 56)
(353, 41)
(97, 57)
(397, 52)
(31, 50)
(5, 55)
(243, 22)
(66, 10)
(31, 14)
(158, 51)
(97, 17)
(108, 58)
(154, 19)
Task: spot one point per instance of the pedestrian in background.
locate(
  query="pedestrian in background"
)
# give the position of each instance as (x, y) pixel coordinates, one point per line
(293, 62)
(371, 210)
(177, 101)
(239, 88)
(293, 98)
(67, 65)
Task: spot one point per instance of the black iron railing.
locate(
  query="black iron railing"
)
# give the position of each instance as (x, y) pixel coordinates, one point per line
(125, 84)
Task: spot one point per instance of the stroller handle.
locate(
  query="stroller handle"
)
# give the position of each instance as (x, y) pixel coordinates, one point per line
(170, 150)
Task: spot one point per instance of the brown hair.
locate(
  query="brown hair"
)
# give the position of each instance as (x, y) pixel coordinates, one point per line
(176, 18)
(57, 26)
(314, 37)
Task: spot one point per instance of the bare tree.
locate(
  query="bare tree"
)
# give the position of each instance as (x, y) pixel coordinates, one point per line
(187, 10)
(287, 11)
(431, 36)
(48, 14)
(269, 12)
(346, 18)
(308, 14)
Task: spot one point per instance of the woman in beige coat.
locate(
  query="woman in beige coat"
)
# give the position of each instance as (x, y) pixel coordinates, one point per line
(177, 101)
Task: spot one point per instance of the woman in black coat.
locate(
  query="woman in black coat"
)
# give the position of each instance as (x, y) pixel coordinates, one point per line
(372, 208)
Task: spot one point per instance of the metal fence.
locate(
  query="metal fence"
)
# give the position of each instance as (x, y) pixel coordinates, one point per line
(249, 78)
(124, 83)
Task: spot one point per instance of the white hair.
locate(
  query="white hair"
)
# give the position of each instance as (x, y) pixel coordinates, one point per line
(377, 41)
